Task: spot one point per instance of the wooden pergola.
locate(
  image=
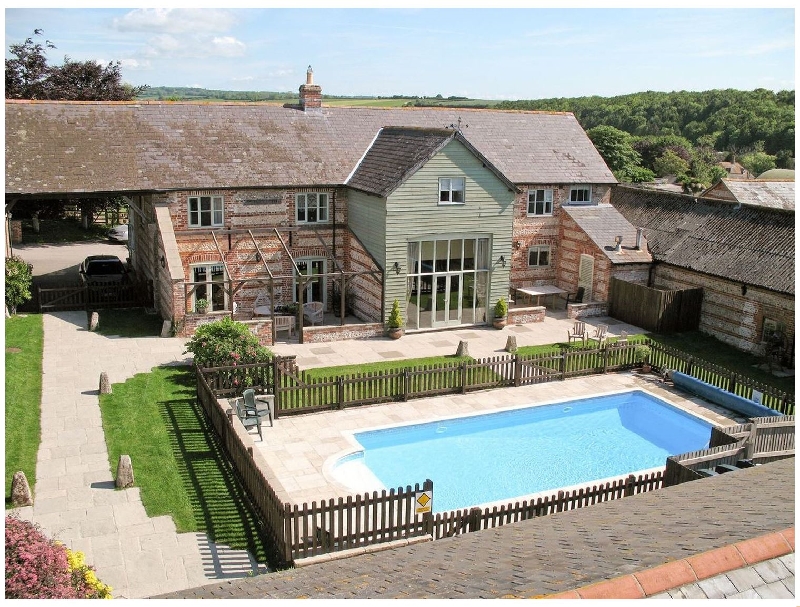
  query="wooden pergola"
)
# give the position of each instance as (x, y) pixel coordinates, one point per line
(234, 284)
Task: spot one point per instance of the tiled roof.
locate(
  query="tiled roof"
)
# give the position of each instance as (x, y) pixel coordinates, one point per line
(56, 147)
(768, 194)
(603, 223)
(747, 244)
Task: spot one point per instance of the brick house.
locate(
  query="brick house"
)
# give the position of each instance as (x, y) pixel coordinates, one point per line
(231, 201)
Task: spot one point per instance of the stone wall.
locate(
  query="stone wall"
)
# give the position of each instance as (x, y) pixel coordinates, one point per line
(336, 333)
(521, 316)
(585, 310)
(728, 314)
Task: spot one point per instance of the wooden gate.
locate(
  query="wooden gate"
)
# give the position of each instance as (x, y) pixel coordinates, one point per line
(654, 309)
(86, 297)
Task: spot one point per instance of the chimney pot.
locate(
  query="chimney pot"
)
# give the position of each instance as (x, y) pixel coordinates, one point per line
(639, 232)
(309, 75)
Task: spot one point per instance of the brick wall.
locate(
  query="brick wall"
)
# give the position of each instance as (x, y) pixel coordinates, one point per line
(15, 230)
(574, 242)
(727, 314)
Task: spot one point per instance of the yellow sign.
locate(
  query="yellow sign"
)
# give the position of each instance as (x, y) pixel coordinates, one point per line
(424, 502)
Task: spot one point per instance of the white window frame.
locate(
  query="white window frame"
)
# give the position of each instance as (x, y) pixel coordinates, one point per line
(446, 189)
(321, 206)
(210, 285)
(538, 249)
(546, 202)
(215, 212)
(573, 191)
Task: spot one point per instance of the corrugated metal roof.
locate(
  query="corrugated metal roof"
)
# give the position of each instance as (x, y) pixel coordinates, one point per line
(603, 223)
(768, 194)
(749, 244)
(59, 147)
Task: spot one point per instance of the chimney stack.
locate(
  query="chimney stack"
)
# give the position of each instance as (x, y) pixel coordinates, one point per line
(310, 93)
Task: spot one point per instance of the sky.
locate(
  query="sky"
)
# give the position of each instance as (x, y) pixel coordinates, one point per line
(480, 53)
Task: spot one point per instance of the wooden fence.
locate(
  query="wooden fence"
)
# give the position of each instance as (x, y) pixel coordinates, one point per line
(93, 297)
(296, 393)
(762, 440)
(654, 309)
(297, 532)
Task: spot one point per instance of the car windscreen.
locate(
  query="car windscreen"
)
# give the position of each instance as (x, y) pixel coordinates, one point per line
(103, 268)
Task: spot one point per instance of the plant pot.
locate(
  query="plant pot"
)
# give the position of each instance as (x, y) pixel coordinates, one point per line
(396, 333)
(499, 323)
(646, 368)
(201, 310)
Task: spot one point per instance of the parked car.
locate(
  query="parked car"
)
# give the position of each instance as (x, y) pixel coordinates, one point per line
(102, 269)
(119, 233)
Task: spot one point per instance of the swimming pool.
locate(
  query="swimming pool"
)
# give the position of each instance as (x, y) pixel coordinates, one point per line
(508, 454)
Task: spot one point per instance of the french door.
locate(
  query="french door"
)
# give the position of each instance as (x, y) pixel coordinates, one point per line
(314, 289)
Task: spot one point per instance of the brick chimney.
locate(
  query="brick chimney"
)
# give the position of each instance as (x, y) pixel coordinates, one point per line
(310, 93)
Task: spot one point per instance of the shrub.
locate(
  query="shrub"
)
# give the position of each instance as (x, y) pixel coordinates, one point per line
(40, 568)
(226, 343)
(501, 308)
(19, 277)
(395, 320)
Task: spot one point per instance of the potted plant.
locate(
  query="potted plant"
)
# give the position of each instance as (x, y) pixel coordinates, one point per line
(395, 321)
(500, 313)
(200, 306)
(641, 355)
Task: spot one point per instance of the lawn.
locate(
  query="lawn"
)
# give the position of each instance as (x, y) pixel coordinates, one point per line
(24, 338)
(54, 231)
(383, 366)
(177, 459)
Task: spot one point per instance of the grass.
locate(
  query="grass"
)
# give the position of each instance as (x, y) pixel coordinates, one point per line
(389, 365)
(24, 339)
(717, 352)
(134, 322)
(177, 459)
(59, 231)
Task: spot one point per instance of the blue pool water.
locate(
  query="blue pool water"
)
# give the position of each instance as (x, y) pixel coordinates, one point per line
(504, 455)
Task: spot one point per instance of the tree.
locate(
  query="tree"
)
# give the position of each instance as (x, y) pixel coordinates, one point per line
(670, 163)
(19, 278)
(757, 162)
(615, 147)
(28, 76)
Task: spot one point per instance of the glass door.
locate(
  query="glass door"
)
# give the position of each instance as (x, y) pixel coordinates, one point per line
(447, 303)
(314, 289)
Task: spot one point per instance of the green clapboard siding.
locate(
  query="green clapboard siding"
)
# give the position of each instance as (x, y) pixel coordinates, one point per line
(367, 219)
(413, 212)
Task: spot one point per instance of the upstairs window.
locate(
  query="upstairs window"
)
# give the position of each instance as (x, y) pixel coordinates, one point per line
(451, 190)
(205, 211)
(580, 194)
(540, 202)
(539, 256)
(312, 208)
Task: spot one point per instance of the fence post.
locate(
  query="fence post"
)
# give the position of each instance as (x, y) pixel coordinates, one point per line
(474, 521)
(276, 385)
(689, 365)
(340, 387)
(517, 371)
(464, 377)
(732, 383)
(427, 518)
(406, 383)
(605, 359)
(630, 483)
(562, 366)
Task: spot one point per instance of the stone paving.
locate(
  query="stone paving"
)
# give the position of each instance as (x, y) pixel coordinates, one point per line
(75, 499)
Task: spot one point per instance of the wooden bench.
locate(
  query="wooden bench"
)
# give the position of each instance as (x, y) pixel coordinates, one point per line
(284, 323)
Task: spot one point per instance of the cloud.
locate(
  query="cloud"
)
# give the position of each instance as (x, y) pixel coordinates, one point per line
(175, 20)
(135, 65)
(228, 46)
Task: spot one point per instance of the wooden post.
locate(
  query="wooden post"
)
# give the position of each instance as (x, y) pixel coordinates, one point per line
(276, 385)
(605, 359)
(562, 365)
(630, 483)
(427, 518)
(406, 384)
(474, 521)
(689, 365)
(750, 443)
(463, 377)
(732, 383)
(340, 388)
(517, 371)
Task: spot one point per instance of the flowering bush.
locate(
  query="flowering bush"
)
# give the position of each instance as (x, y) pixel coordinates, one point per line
(19, 277)
(40, 568)
(226, 343)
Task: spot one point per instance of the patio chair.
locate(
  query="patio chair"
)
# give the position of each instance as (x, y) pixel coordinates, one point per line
(284, 323)
(623, 338)
(248, 421)
(576, 297)
(599, 335)
(578, 332)
(256, 407)
(313, 311)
